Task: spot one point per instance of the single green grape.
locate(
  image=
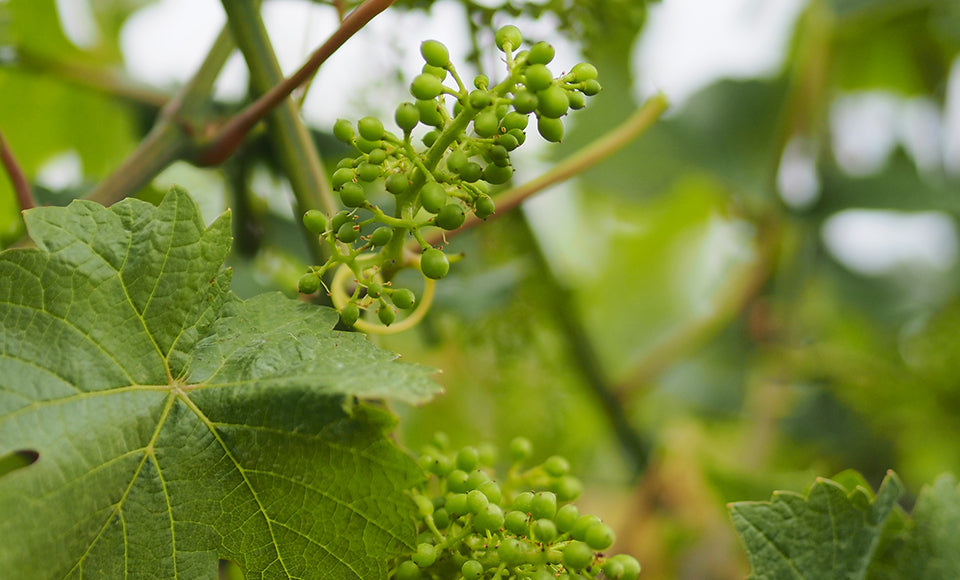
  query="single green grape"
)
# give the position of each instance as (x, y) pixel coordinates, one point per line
(591, 87)
(340, 218)
(508, 38)
(490, 518)
(477, 478)
(343, 130)
(523, 501)
(426, 86)
(429, 112)
(511, 551)
(450, 217)
(348, 233)
(468, 459)
(524, 102)
(352, 194)
(556, 465)
(381, 236)
(553, 102)
(471, 172)
(481, 82)
(550, 129)
(315, 221)
(612, 569)
(566, 517)
(431, 137)
(457, 481)
(491, 490)
(577, 556)
(538, 77)
(484, 207)
(486, 123)
(629, 565)
(386, 315)
(599, 536)
(350, 314)
(437, 71)
(456, 159)
(520, 449)
(579, 529)
(407, 570)
(471, 570)
(516, 522)
(476, 501)
(457, 504)
(540, 53)
(434, 264)
(433, 196)
(397, 183)
(544, 530)
(370, 128)
(514, 120)
(308, 283)
(424, 505)
(583, 71)
(518, 134)
(403, 298)
(425, 555)
(407, 116)
(496, 174)
(369, 171)
(576, 100)
(479, 99)
(435, 53)
(567, 488)
(341, 176)
(374, 289)
(544, 505)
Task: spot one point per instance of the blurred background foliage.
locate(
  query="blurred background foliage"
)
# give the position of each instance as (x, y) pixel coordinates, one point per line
(691, 321)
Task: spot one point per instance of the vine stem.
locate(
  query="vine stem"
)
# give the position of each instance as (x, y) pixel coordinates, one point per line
(231, 134)
(587, 157)
(21, 186)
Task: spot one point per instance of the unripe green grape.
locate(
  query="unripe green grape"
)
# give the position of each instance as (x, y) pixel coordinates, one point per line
(476, 478)
(520, 449)
(484, 207)
(456, 160)
(599, 536)
(368, 172)
(381, 236)
(403, 298)
(431, 137)
(343, 130)
(407, 570)
(517, 134)
(498, 153)
(425, 555)
(441, 518)
(426, 86)
(576, 99)
(629, 565)
(543, 574)
(567, 488)
(523, 501)
(511, 551)
(352, 194)
(550, 129)
(480, 99)
(308, 283)
(435, 53)
(471, 172)
(540, 53)
(579, 530)
(476, 500)
(491, 490)
(508, 35)
(591, 87)
(516, 522)
(481, 82)
(397, 183)
(429, 113)
(407, 116)
(374, 289)
(490, 518)
(612, 569)
(556, 465)
(440, 465)
(424, 505)
(486, 123)
(544, 505)
(566, 517)
(471, 570)
(341, 176)
(450, 217)
(377, 156)
(350, 314)
(544, 530)
(348, 233)
(468, 458)
(497, 175)
(434, 264)
(538, 77)
(457, 504)
(583, 71)
(524, 102)
(340, 218)
(370, 128)
(553, 102)
(457, 481)
(437, 71)
(433, 196)
(366, 145)
(315, 221)
(514, 120)
(577, 556)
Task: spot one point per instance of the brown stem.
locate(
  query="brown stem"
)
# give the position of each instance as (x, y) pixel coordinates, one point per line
(586, 158)
(19, 181)
(231, 134)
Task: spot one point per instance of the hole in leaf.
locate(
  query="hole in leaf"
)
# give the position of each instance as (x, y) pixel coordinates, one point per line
(17, 460)
(229, 570)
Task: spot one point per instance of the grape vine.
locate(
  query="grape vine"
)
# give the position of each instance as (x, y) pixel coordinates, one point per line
(473, 527)
(465, 153)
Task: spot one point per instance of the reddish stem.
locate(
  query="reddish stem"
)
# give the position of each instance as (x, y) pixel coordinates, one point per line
(17, 178)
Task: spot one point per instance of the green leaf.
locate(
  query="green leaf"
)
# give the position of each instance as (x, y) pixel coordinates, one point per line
(176, 424)
(831, 533)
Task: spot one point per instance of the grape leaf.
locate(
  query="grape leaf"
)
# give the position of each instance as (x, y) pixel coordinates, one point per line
(175, 424)
(831, 533)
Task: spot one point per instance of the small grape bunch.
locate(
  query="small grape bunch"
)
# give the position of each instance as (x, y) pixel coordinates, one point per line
(438, 182)
(473, 527)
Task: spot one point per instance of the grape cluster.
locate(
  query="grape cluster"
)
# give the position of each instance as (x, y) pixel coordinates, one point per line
(466, 149)
(472, 527)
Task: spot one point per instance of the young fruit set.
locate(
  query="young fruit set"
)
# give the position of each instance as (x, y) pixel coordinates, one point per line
(472, 527)
(465, 151)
